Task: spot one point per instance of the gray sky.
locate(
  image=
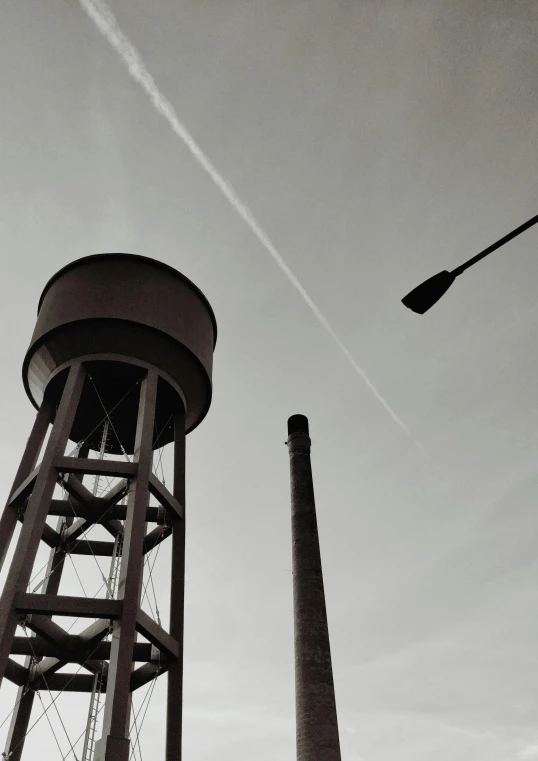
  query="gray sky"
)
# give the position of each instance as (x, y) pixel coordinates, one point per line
(377, 143)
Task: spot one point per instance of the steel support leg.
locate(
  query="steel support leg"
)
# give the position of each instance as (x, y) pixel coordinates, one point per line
(114, 744)
(24, 701)
(36, 512)
(9, 518)
(25, 697)
(174, 711)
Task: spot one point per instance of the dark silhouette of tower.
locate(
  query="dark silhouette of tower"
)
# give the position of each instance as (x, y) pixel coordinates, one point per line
(120, 359)
(317, 724)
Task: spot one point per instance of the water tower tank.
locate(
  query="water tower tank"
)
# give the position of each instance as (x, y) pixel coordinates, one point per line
(120, 314)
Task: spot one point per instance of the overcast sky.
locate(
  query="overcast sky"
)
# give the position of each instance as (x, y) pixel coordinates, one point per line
(377, 142)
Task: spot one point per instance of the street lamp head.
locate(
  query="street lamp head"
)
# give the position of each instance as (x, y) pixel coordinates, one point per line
(428, 293)
(425, 295)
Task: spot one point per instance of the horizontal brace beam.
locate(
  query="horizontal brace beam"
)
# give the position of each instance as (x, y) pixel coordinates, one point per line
(51, 665)
(84, 682)
(91, 547)
(91, 467)
(149, 629)
(61, 605)
(42, 649)
(66, 683)
(62, 508)
(167, 500)
(34, 645)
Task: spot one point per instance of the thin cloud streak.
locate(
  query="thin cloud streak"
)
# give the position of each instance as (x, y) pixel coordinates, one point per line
(108, 26)
(531, 751)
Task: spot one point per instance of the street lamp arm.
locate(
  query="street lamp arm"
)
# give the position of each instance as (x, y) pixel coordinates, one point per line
(428, 293)
(495, 246)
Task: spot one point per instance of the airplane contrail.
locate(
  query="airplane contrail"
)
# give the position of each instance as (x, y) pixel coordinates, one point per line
(107, 24)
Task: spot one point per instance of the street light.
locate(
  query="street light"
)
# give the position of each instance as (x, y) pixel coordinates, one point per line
(428, 293)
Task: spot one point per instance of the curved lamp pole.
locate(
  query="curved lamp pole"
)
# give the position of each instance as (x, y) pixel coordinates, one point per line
(428, 293)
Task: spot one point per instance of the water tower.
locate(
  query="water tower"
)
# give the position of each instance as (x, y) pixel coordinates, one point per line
(120, 360)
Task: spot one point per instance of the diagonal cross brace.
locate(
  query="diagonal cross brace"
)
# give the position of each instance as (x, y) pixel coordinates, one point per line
(91, 508)
(22, 493)
(71, 649)
(167, 500)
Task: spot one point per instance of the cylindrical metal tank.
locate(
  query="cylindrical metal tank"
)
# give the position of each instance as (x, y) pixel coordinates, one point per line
(120, 313)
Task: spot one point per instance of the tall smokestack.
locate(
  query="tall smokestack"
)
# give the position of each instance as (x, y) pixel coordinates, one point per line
(316, 720)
